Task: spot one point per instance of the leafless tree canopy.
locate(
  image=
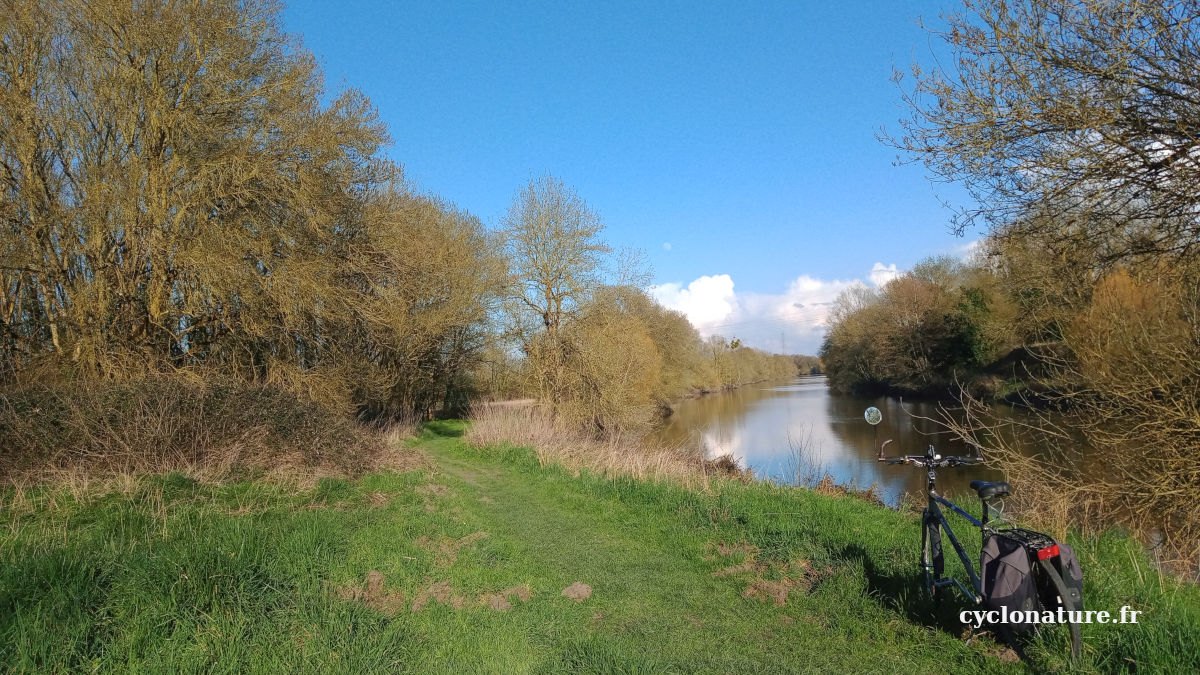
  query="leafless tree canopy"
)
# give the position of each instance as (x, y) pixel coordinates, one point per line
(1084, 110)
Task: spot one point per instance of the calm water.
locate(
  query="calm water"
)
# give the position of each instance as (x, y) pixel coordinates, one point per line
(793, 431)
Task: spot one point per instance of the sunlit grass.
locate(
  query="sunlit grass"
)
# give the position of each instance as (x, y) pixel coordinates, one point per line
(171, 574)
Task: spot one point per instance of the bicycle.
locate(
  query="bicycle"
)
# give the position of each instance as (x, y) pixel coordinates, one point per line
(934, 521)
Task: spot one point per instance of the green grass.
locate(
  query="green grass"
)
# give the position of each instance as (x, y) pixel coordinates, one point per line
(249, 577)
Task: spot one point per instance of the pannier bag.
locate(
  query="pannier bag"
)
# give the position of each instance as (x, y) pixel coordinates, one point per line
(1015, 567)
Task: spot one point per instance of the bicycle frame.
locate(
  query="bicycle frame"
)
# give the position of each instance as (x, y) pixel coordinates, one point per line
(934, 521)
(934, 517)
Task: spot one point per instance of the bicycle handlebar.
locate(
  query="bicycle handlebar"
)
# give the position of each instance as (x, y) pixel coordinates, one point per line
(937, 461)
(929, 460)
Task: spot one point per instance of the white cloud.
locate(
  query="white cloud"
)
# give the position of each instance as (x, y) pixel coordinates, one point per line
(666, 246)
(881, 274)
(706, 302)
(795, 319)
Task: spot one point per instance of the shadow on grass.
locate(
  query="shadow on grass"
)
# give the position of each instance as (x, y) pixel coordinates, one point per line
(903, 592)
(445, 428)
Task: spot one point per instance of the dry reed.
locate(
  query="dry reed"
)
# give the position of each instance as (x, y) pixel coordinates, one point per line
(559, 444)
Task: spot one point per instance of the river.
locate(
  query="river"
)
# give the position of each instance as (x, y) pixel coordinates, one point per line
(799, 430)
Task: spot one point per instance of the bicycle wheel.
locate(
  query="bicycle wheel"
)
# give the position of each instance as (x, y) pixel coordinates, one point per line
(1068, 600)
(933, 564)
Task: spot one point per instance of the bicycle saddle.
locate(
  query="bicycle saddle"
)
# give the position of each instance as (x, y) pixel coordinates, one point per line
(988, 490)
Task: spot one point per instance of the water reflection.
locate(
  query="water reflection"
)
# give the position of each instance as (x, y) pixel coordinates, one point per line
(800, 429)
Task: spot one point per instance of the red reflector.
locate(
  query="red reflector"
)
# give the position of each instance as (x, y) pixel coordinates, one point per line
(1048, 552)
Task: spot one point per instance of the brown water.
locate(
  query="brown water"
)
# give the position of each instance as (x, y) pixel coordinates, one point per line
(796, 431)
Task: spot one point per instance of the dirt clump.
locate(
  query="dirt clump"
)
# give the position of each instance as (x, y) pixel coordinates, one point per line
(499, 600)
(776, 581)
(578, 591)
(773, 590)
(727, 465)
(374, 595)
(446, 549)
(379, 499)
(831, 488)
(1007, 656)
(439, 592)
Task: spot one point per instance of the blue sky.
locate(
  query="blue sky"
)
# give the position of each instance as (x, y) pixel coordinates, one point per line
(733, 142)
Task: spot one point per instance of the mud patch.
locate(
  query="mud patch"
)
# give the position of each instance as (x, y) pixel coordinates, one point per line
(578, 591)
(445, 549)
(439, 592)
(374, 595)
(499, 601)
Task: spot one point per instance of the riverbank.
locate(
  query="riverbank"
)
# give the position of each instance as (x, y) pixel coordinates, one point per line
(460, 564)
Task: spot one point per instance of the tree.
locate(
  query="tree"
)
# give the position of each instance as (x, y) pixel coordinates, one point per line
(1076, 128)
(175, 194)
(552, 238)
(1054, 114)
(174, 191)
(612, 370)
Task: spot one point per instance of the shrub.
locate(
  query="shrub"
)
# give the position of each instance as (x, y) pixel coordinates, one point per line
(168, 423)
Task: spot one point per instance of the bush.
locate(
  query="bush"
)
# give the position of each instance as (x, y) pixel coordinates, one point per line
(167, 423)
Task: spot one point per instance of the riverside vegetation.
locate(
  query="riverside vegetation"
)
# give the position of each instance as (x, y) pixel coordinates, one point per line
(221, 307)
(1073, 127)
(459, 561)
(200, 257)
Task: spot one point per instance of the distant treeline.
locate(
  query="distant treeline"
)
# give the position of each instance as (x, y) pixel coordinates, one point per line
(939, 325)
(183, 200)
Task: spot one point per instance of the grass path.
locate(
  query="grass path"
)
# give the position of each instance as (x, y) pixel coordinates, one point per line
(656, 604)
(459, 566)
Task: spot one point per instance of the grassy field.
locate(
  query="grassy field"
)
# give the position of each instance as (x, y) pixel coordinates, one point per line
(460, 566)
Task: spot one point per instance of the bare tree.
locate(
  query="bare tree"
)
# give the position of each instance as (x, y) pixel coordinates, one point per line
(1052, 112)
(552, 238)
